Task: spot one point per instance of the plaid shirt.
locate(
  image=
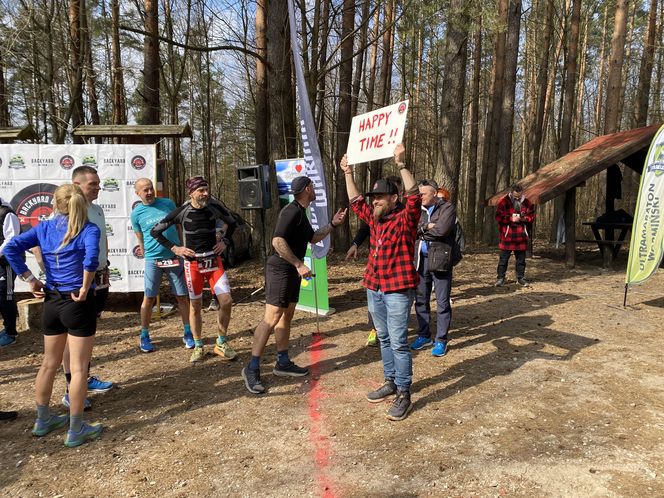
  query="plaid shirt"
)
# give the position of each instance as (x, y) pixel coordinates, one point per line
(392, 243)
(514, 236)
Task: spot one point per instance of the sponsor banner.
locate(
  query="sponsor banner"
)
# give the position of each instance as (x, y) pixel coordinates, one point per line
(313, 161)
(29, 175)
(374, 135)
(647, 245)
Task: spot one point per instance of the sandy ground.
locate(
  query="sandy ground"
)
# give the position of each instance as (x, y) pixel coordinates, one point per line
(551, 390)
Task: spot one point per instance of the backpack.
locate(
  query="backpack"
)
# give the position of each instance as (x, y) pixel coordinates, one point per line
(459, 243)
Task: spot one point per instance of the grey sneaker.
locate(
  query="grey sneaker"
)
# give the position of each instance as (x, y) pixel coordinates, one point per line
(522, 281)
(387, 389)
(400, 407)
(289, 370)
(499, 282)
(252, 379)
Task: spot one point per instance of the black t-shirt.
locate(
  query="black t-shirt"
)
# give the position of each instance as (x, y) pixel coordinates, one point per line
(293, 226)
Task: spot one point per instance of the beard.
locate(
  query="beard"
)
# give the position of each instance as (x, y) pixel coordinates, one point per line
(381, 211)
(203, 202)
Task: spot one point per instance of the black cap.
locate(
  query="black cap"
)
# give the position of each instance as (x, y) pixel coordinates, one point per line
(383, 186)
(299, 184)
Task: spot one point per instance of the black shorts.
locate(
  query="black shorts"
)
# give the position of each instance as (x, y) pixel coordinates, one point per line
(64, 315)
(282, 285)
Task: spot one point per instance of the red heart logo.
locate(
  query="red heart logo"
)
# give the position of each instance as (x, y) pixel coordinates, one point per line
(298, 168)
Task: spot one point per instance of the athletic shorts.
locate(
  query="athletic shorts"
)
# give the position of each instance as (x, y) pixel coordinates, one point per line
(195, 278)
(282, 285)
(152, 278)
(63, 315)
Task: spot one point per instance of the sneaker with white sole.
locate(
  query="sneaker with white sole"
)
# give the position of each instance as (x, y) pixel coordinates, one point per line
(146, 345)
(400, 407)
(6, 339)
(87, 404)
(197, 355)
(384, 391)
(96, 385)
(252, 379)
(224, 350)
(420, 343)
(188, 340)
(41, 427)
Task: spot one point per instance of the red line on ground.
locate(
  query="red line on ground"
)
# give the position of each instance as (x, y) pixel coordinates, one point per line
(319, 440)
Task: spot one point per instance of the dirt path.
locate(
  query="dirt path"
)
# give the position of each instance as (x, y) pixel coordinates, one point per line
(553, 390)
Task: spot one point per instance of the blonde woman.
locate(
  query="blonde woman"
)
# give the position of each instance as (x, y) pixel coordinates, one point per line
(69, 245)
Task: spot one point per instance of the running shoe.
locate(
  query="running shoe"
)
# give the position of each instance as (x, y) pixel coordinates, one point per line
(224, 350)
(197, 354)
(401, 406)
(6, 339)
(252, 379)
(146, 345)
(384, 391)
(439, 349)
(289, 370)
(372, 339)
(41, 428)
(421, 343)
(87, 404)
(188, 340)
(88, 432)
(96, 385)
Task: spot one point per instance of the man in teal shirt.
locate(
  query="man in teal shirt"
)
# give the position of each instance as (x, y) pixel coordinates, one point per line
(158, 260)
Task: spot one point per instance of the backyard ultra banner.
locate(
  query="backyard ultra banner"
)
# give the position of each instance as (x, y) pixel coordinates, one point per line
(29, 175)
(645, 250)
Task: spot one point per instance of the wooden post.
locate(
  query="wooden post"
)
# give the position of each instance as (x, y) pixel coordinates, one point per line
(570, 227)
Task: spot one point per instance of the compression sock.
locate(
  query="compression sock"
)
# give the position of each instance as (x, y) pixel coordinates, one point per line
(255, 363)
(43, 413)
(145, 333)
(187, 329)
(282, 357)
(76, 422)
(198, 343)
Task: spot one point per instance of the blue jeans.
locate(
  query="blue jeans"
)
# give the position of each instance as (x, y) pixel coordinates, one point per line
(390, 312)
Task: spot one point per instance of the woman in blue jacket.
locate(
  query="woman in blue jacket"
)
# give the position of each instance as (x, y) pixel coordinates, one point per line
(70, 249)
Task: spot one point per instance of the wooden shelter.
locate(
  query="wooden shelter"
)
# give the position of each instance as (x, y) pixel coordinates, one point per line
(9, 135)
(133, 133)
(565, 174)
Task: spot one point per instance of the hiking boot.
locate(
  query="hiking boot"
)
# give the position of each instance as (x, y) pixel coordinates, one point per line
(87, 404)
(224, 350)
(387, 389)
(42, 428)
(499, 282)
(197, 354)
(88, 432)
(6, 339)
(146, 345)
(290, 369)
(372, 338)
(522, 281)
(96, 385)
(421, 343)
(252, 379)
(188, 340)
(400, 407)
(439, 349)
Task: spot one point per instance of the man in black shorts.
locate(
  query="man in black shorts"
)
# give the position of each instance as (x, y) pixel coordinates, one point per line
(283, 273)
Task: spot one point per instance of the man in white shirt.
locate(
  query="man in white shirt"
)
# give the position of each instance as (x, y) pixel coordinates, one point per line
(8, 309)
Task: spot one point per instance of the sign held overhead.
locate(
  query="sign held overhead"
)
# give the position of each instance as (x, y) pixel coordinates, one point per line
(374, 135)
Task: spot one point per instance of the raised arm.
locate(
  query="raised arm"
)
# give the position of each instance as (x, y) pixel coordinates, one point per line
(351, 188)
(406, 176)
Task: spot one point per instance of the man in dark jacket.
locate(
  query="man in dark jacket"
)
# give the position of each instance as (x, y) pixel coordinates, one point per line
(436, 228)
(515, 215)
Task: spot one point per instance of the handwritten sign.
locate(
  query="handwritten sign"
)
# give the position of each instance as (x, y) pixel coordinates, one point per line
(374, 135)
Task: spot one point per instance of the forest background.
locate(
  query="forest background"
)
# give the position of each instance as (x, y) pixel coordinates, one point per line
(497, 88)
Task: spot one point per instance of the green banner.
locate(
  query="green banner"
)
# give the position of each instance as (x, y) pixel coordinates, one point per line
(646, 247)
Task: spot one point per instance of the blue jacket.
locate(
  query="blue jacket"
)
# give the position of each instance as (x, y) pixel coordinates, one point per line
(64, 267)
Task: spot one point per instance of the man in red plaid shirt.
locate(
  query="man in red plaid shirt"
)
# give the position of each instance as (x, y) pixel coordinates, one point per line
(515, 215)
(390, 276)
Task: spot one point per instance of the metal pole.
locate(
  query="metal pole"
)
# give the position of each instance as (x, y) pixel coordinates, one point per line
(315, 297)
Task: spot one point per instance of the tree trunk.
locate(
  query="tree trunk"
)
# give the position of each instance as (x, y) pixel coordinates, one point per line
(119, 102)
(151, 64)
(645, 69)
(262, 108)
(473, 164)
(76, 82)
(600, 79)
(90, 76)
(4, 96)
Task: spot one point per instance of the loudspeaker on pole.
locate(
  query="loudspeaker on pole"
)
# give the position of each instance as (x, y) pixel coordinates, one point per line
(254, 186)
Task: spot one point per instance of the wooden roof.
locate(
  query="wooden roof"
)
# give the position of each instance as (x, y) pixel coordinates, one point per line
(25, 133)
(629, 147)
(161, 131)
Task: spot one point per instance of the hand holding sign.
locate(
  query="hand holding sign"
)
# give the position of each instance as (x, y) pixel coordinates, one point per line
(373, 135)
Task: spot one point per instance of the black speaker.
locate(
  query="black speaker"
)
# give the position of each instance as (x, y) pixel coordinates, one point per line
(253, 186)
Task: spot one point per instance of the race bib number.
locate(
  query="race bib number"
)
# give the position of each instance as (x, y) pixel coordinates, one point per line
(207, 264)
(102, 280)
(168, 263)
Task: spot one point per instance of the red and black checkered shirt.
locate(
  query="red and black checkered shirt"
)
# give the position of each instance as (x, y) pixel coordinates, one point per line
(392, 245)
(514, 235)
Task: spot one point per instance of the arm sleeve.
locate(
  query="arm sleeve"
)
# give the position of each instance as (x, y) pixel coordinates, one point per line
(157, 232)
(16, 247)
(225, 216)
(413, 210)
(362, 233)
(91, 243)
(528, 214)
(10, 228)
(361, 209)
